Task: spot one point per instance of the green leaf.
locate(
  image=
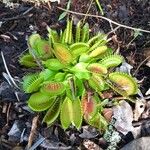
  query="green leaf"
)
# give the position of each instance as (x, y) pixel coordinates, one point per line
(62, 16)
(53, 64)
(137, 33)
(53, 35)
(97, 68)
(68, 90)
(85, 33)
(77, 113)
(99, 6)
(43, 48)
(85, 58)
(124, 82)
(59, 77)
(63, 37)
(83, 75)
(32, 40)
(97, 83)
(70, 40)
(68, 4)
(111, 61)
(66, 113)
(99, 122)
(40, 102)
(71, 112)
(62, 53)
(80, 71)
(95, 38)
(99, 50)
(79, 87)
(68, 35)
(27, 60)
(98, 43)
(47, 74)
(32, 82)
(52, 88)
(78, 32)
(53, 112)
(78, 48)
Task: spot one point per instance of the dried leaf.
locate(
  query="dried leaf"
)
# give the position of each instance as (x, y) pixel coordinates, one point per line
(124, 116)
(148, 92)
(89, 132)
(107, 113)
(90, 145)
(139, 109)
(148, 64)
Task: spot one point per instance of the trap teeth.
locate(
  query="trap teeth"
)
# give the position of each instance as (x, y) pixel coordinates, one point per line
(39, 102)
(124, 82)
(78, 48)
(62, 53)
(53, 64)
(99, 50)
(53, 88)
(111, 61)
(97, 68)
(31, 83)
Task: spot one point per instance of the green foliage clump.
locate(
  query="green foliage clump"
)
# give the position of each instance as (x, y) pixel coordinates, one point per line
(77, 70)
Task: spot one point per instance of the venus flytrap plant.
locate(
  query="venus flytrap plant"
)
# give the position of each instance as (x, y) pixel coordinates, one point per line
(76, 71)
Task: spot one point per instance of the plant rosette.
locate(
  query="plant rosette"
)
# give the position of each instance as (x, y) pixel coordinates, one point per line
(78, 68)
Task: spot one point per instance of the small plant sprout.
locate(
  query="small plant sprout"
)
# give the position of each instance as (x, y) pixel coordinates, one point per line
(78, 68)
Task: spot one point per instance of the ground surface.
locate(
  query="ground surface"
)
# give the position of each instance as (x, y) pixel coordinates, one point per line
(19, 21)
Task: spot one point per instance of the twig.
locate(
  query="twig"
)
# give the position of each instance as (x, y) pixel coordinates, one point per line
(8, 111)
(5, 75)
(22, 135)
(60, 148)
(22, 53)
(107, 19)
(113, 31)
(87, 11)
(21, 16)
(6, 68)
(135, 124)
(4, 109)
(28, 10)
(35, 145)
(36, 58)
(136, 71)
(111, 26)
(147, 97)
(13, 18)
(33, 131)
(16, 94)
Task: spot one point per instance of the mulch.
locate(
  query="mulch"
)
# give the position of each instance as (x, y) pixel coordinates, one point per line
(24, 18)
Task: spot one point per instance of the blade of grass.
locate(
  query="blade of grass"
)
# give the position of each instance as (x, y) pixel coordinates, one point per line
(99, 6)
(63, 15)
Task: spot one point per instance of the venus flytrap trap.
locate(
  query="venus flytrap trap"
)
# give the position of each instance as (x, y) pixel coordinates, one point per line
(77, 70)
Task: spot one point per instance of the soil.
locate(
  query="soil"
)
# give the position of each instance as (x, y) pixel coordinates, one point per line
(21, 20)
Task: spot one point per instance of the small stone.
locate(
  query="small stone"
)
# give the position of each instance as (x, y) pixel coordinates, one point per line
(138, 144)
